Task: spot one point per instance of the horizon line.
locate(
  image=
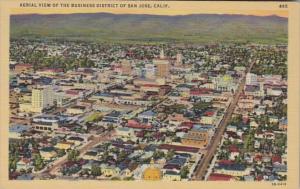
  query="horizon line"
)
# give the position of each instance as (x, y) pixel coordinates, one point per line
(229, 14)
(259, 13)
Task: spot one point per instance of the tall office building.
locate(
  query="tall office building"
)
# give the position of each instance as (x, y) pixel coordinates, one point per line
(162, 54)
(178, 59)
(251, 79)
(41, 98)
(126, 67)
(162, 66)
(149, 71)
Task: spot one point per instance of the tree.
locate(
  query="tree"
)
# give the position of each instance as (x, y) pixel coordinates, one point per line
(73, 155)
(238, 159)
(184, 172)
(223, 155)
(12, 164)
(222, 70)
(158, 154)
(128, 178)
(110, 128)
(96, 171)
(38, 162)
(22, 171)
(170, 154)
(122, 155)
(115, 178)
(61, 152)
(236, 120)
(201, 106)
(249, 142)
(105, 156)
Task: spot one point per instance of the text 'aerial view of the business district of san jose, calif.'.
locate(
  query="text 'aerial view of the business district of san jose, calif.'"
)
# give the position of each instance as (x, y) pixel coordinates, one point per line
(100, 96)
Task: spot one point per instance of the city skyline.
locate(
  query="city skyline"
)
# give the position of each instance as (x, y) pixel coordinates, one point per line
(201, 102)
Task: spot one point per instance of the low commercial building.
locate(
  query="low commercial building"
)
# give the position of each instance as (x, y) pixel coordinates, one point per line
(16, 131)
(74, 110)
(46, 123)
(48, 153)
(196, 137)
(110, 171)
(124, 132)
(64, 145)
(171, 176)
(232, 169)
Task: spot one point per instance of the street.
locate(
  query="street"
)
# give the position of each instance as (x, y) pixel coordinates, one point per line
(211, 150)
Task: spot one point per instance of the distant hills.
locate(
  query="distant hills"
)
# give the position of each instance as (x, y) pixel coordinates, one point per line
(196, 28)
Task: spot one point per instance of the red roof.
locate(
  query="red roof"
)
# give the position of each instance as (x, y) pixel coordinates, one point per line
(187, 124)
(140, 133)
(209, 113)
(233, 148)
(136, 125)
(259, 177)
(72, 92)
(245, 120)
(219, 177)
(225, 162)
(24, 65)
(258, 157)
(132, 122)
(199, 91)
(150, 85)
(276, 158)
(140, 126)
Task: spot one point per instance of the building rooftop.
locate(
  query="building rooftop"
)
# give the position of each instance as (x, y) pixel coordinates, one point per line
(148, 113)
(114, 114)
(18, 128)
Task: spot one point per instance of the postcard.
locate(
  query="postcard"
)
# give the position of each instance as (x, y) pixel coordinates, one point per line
(130, 94)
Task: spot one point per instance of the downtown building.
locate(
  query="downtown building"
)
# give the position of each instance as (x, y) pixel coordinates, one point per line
(41, 99)
(126, 67)
(162, 66)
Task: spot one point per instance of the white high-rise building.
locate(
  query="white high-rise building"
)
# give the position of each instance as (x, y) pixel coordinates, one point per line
(150, 71)
(162, 54)
(178, 59)
(251, 79)
(41, 98)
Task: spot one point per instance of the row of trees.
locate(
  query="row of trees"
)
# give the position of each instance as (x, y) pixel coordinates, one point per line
(200, 107)
(39, 59)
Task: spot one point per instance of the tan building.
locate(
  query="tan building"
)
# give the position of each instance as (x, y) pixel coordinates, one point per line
(23, 68)
(64, 145)
(74, 110)
(162, 66)
(48, 153)
(196, 138)
(126, 67)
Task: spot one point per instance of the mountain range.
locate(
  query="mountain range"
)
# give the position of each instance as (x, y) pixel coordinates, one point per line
(135, 28)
